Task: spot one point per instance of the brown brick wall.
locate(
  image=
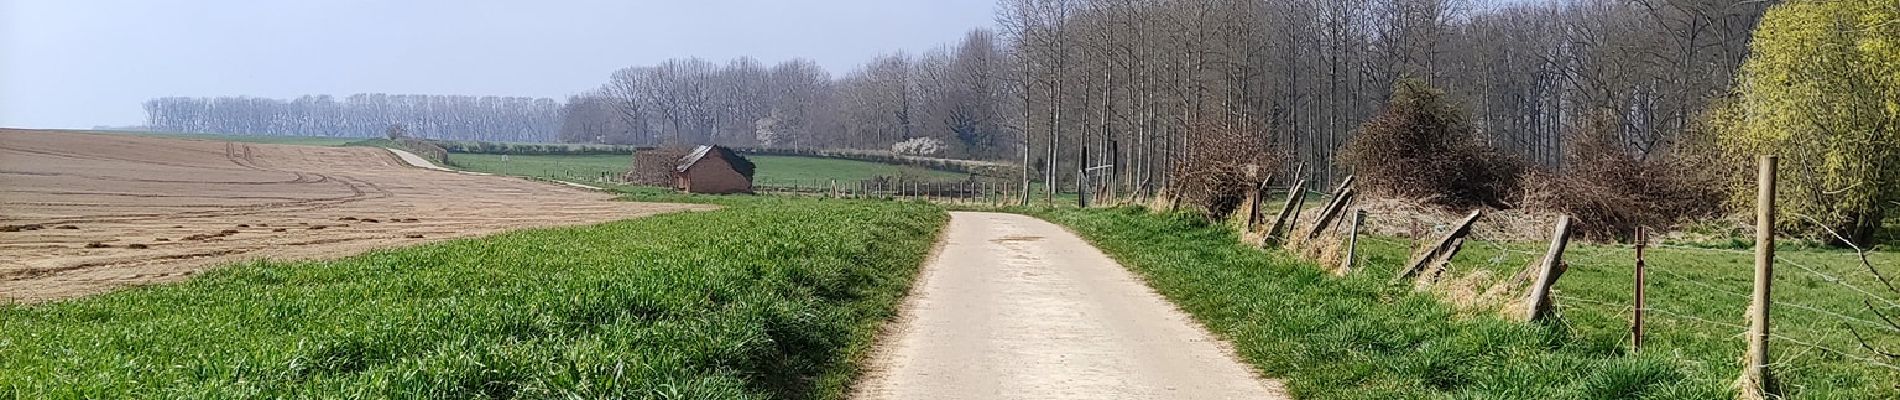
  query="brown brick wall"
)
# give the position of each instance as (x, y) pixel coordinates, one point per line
(713, 175)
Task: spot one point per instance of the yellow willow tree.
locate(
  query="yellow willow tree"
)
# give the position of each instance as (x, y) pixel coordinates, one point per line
(1821, 89)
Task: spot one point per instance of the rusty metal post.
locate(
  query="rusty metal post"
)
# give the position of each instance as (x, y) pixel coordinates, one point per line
(1636, 320)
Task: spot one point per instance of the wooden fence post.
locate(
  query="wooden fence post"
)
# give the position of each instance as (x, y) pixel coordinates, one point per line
(1250, 204)
(1435, 269)
(1636, 318)
(1352, 242)
(1292, 200)
(1343, 186)
(1445, 245)
(1259, 196)
(1549, 270)
(1331, 212)
(1757, 381)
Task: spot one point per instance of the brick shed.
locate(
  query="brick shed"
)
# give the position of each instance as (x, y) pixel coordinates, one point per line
(703, 169)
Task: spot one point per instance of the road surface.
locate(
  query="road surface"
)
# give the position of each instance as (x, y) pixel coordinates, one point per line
(1013, 307)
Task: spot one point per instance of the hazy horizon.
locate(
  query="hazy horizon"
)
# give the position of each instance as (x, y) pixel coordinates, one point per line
(79, 64)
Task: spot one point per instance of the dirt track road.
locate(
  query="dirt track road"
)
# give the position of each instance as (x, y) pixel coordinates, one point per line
(1013, 307)
(87, 213)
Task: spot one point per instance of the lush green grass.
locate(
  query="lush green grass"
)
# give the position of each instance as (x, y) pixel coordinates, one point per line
(1359, 337)
(772, 170)
(556, 167)
(766, 298)
(778, 170)
(298, 140)
(1697, 299)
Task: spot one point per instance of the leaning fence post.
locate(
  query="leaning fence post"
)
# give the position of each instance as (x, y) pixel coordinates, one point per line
(1756, 380)
(1444, 245)
(1352, 242)
(1331, 212)
(1293, 199)
(1549, 270)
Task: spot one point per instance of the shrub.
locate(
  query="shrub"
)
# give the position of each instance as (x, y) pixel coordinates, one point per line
(1611, 189)
(1214, 175)
(1821, 88)
(1420, 146)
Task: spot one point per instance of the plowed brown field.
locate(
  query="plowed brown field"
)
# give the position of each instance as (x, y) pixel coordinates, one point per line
(86, 213)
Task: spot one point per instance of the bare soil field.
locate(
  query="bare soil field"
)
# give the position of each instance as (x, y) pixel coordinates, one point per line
(86, 213)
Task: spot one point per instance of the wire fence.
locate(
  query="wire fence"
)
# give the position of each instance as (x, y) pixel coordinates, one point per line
(1503, 252)
(1703, 287)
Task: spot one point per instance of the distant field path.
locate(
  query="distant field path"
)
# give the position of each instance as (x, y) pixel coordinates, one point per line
(1013, 307)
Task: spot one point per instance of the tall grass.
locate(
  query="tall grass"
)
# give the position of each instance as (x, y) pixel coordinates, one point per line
(1359, 337)
(766, 298)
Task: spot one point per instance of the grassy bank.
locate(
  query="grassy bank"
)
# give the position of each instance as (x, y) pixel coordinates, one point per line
(1360, 338)
(766, 298)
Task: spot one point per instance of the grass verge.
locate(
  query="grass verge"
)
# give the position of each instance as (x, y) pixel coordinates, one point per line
(765, 298)
(1361, 338)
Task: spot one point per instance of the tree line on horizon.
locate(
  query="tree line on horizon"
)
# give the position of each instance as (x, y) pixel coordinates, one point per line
(1130, 80)
(1144, 97)
(957, 94)
(1133, 82)
(448, 117)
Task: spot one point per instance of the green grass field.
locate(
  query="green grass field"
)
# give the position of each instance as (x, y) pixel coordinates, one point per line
(559, 167)
(772, 170)
(775, 170)
(766, 298)
(1360, 337)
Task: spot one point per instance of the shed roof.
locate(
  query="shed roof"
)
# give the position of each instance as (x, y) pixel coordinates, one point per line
(692, 158)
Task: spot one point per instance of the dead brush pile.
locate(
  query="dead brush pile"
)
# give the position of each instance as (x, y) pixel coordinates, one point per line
(1422, 147)
(1611, 188)
(1214, 175)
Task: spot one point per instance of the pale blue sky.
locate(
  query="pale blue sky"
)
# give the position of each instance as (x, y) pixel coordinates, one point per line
(79, 63)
